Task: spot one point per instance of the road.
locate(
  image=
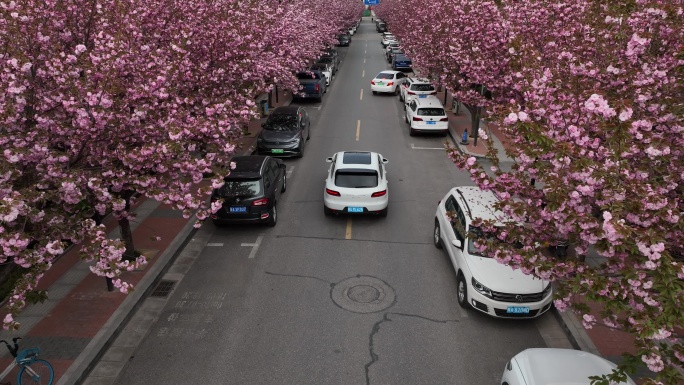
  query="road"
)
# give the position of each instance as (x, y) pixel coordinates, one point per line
(332, 300)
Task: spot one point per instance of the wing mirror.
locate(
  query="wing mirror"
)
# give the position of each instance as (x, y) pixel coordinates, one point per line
(329, 160)
(384, 161)
(457, 243)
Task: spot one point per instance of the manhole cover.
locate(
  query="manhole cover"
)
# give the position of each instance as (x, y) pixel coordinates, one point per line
(363, 294)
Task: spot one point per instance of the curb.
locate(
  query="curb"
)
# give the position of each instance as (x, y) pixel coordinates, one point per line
(575, 331)
(457, 140)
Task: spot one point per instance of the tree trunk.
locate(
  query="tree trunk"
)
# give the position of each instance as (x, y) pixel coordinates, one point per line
(125, 229)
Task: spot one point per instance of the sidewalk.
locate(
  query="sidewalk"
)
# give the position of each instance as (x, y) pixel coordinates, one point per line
(75, 326)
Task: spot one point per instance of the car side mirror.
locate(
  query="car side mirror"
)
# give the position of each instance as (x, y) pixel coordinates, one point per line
(457, 243)
(384, 161)
(283, 166)
(329, 160)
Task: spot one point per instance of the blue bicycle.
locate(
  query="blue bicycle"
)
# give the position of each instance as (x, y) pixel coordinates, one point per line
(33, 370)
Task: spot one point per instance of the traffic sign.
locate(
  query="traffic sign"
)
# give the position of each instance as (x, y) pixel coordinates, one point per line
(371, 2)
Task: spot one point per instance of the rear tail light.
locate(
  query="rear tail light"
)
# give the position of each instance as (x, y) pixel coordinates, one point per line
(444, 120)
(379, 194)
(373, 82)
(260, 202)
(433, 93)
(416, 119)
(318, 88)
(390, 83)
(411, 93)
(332, 192)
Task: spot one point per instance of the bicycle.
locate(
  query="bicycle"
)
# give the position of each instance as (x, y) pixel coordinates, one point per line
(33, 370)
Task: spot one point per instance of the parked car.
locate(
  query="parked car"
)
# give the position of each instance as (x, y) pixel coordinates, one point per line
(387, 82)
(326, 69)
(285, 132)
(332, 52)
(329, 60)
(483, 283)
(413, 87)
(393, 44)
(312, 85)
(556, 366)
(393, 52)
(356, 184)
(251, 191)
(381, 27)
(401, 62)
(386, 38)
(344, 40)
(426, 114)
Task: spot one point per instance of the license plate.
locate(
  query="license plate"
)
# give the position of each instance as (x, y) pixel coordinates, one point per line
(277, 151)
(238, 209)
(428, 122)
(381, 83)
(518, 310)
(422, 96)
(355, 209)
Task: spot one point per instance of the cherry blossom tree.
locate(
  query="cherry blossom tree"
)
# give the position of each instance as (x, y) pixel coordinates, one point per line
(590, 94)
(103, 100)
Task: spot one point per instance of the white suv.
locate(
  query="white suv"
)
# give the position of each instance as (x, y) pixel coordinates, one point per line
(483, 283)
(413, 87)
(426, 114)
(356, 184)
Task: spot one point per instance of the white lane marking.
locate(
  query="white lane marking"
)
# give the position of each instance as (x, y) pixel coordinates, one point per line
(363, 73)
(364, 52)
(214, 244)
(254, 246)
(289, 171)
(358, 129)
(364, 60)
(426, 148)
(361, 95)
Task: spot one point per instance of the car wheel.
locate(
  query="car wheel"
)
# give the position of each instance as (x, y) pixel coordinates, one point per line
(216, 223)
(383, 212)
(308, 134)
(437, 235)
(327, 211)
(282, 189)
(375, 92)
(462, 291)
(445, 133)
(401, 98)
(406, 116)
(396, 90)
(273, 218)
(412, 132)
(319, 99)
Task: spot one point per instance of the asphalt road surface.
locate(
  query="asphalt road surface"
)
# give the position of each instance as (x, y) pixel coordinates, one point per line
(334, 300)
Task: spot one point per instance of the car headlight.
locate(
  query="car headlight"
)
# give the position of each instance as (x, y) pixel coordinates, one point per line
(480, 288)
(546, 291)
(294, 141)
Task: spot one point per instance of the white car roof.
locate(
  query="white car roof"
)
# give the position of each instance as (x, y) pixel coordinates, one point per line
(357, 160)
(393, 72)
(479, 203)
(429, 101)
(419, 80)
(551, 366)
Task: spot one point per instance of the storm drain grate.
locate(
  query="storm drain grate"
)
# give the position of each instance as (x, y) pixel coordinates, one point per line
(163, 289)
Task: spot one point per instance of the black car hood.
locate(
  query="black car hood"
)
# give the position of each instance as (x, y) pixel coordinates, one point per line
(278, 136)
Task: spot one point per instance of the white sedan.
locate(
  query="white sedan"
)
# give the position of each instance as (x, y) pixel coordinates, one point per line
(555, 366)
(388, 82)
(356, 184)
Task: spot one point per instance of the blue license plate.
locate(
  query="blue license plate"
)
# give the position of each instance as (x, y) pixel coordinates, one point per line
(354, 209)
(428, 122)
(422, 96)
(238, 209)
(518, 310)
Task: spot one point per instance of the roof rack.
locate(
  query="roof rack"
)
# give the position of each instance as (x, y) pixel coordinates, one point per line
(466, 204)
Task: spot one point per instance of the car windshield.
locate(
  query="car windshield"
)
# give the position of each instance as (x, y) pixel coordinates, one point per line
(319, 67)
(431, 111)
(385, 75)
(356, 178)
(422, 87)
(281, 123)
(400, 57)
(472, 249)
(325, 60)
(240, 188)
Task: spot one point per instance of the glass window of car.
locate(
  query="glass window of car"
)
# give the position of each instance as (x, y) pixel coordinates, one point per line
(381, 167)
(242, 188)
(413, 106)
(308, 75)
(356, 178)
(268, 179)
(401, 75)
(431, 111)
(281, 123)
(456, 217)
(422, 87)
(273, 169)
(385, 75)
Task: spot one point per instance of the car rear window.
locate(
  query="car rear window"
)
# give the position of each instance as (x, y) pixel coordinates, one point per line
(422, 87)
(356, 179)
(241, 188)
(431, 111)
(305, 75)
(384, 75)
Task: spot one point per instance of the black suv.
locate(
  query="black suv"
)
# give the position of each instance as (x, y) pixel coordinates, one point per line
(285, 132)
(251, 191)
(343, 40)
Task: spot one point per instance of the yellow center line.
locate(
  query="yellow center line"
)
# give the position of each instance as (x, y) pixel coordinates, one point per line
(358, 129)
(347, 234)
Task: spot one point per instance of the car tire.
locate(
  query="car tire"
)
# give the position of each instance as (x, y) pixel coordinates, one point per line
(319, 99)
(412, 132)
(406, 118)
(401, 98)
(273, 218)
(216, 223)
(437, 235)
(326, 211)
(445, 133)
(375, 92)
(396, 90)
(383, 212)
(284, 188)
(462, 291)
